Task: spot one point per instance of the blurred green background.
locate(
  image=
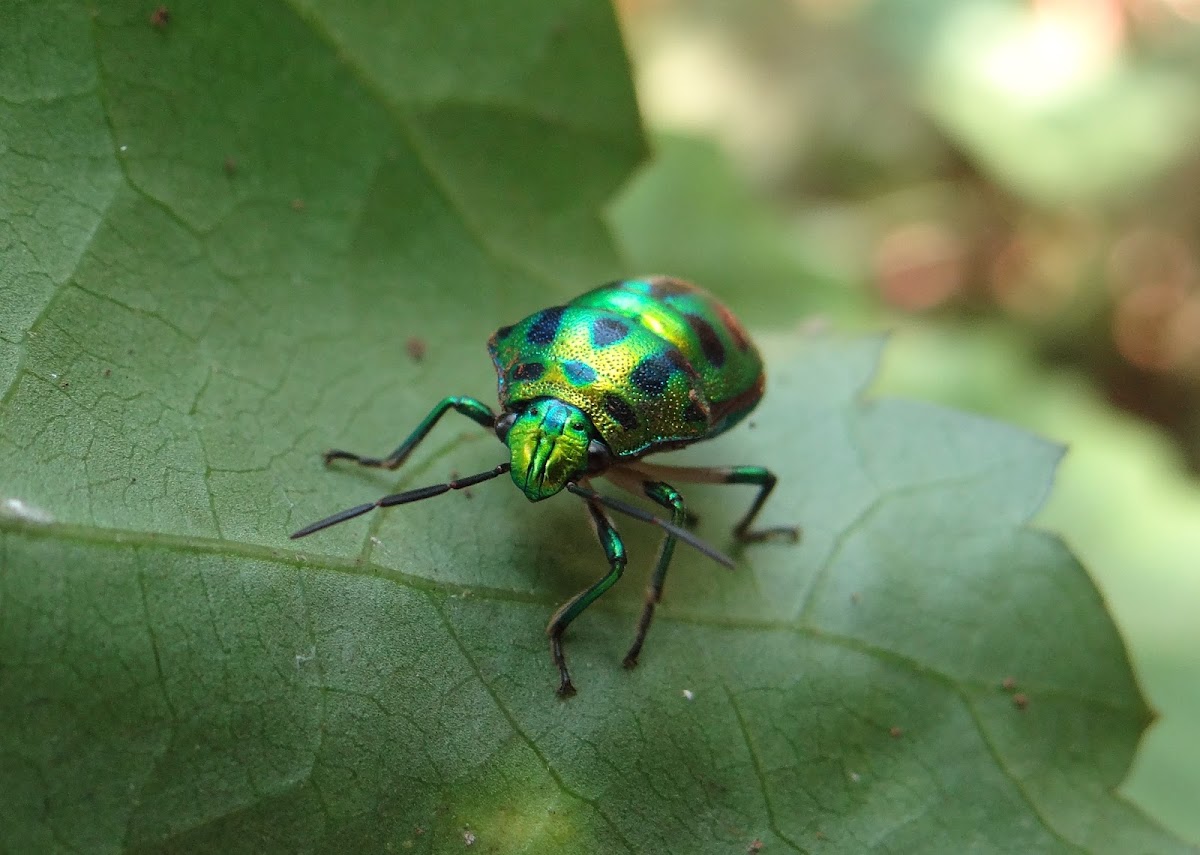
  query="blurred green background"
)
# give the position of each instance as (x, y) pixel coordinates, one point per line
(1014, 187)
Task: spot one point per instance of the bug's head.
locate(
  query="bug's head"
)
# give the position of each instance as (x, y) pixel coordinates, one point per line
(550, 443)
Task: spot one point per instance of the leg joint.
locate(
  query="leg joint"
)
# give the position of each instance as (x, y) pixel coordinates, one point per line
(666, 495)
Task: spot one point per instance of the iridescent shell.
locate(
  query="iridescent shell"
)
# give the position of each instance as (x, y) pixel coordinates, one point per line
(655, 363)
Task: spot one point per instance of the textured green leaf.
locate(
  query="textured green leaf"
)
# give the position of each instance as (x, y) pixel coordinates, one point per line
(180, 343)
(1119, 468)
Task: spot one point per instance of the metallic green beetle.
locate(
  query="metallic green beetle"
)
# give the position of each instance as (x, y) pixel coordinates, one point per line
(589, 389)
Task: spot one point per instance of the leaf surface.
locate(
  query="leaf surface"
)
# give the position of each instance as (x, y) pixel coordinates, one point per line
(224, 241)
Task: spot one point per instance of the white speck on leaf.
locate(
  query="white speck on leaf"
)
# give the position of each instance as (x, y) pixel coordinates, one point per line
(468, 838)
(688, 694)
(19, 510)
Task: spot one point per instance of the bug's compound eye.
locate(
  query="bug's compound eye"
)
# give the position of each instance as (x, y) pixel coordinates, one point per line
(599, 457)
(503, 424)
(576, 424)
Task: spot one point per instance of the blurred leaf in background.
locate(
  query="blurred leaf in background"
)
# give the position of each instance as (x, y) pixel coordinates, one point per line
(1014, 183)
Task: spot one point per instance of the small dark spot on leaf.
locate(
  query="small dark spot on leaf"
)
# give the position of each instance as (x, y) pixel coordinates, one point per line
(1020, 700)
(297, 204)
(416, 348)
(160, 17)
(896, 732)
(230, 166)
(108, 372)
(1009, 684)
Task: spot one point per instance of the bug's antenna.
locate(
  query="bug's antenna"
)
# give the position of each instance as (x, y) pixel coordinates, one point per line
(638, 514)
(403, 499)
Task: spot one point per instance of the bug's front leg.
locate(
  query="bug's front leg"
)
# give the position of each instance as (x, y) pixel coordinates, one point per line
(475, 410)
(614, 551)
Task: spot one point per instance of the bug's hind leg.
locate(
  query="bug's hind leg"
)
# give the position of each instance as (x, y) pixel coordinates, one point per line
(614, 551)
(762, 478)
(475, 410)
(765, 481)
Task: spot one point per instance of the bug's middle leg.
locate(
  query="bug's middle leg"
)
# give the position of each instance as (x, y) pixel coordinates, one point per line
(614, 551)
(757, 476)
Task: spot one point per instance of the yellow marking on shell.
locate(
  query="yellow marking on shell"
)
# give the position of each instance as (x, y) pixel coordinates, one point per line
(656, 326)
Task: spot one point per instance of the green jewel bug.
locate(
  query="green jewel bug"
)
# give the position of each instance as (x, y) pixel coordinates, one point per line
(589, 389)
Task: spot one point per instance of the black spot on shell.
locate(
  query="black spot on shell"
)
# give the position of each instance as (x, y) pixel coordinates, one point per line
(606, 331)
(693, 413)
(503, 332)
(579, 373)
(620, 411)
(710, 343)
(526, 371)
(545, 325)
(652, 374)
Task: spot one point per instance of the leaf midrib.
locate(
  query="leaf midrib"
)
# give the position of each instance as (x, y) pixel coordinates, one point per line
(196, 545)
